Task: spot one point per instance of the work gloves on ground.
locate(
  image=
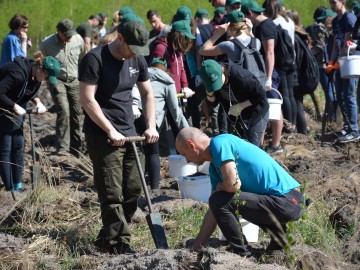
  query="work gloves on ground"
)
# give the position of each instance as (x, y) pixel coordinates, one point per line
(332, 66)
(235, 110)
(268, 84)
(187, 92)
(136, 111)
(198, 81)
(19, 110)
(40, 108)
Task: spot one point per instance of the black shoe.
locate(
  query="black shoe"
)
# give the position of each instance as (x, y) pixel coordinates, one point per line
(121, 248)
(274, 246)
(247, 253)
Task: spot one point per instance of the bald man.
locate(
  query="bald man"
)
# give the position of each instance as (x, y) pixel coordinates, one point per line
(241, 172)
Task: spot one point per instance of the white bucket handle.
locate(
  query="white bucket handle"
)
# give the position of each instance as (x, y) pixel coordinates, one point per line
(278, 93)
(348, 52)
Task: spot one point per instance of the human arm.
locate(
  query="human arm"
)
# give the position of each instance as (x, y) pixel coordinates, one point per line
(24, 41)
(148, 102)
(206, 230)
(40, 108)
(269, 47)
(230, 177)
(87, 41)
(93, 110)
(174, 108)
(209, 49)
(236, 109)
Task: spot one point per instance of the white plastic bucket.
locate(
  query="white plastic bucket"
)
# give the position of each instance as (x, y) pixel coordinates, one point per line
(349, 66)
(275, 106)
(179, 167)
(197, 188)
(250, 230)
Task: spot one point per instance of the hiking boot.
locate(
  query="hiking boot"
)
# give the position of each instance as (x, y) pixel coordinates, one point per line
(274, 150)
(350, 137)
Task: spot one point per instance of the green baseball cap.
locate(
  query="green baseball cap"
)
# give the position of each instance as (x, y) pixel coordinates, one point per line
(52, 66)
(211, 75)
(183, 13)
(251, 5)
(182, 27)
(236, 16)
(159, 60)
(356, 9)
(126, 10)
(131, 17)
(202, 13)
(231, 2)
(326, 13)
(66, 26)
(219, 10)
(136, 36)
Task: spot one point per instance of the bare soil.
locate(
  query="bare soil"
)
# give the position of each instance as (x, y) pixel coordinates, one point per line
(330, 171)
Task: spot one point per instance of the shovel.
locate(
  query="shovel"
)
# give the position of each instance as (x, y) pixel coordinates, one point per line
(153, 219)
(35, 168)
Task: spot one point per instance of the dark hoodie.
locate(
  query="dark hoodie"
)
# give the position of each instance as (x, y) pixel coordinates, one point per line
(16, 83)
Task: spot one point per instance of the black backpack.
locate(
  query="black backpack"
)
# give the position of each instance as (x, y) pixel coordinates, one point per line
(252, 60)
(284, 50)
(307, 68)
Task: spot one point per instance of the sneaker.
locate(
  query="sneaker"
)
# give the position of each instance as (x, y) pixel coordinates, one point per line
(274, 150)
(342, 132)
(121, 248)
(350, 137)
(17, 186)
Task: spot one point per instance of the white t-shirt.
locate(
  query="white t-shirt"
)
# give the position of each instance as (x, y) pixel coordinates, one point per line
(289, 26)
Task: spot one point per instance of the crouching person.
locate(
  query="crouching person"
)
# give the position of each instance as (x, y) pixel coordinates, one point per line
(245, 181)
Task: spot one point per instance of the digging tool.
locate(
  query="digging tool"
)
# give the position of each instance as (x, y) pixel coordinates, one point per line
(153, 219)
(35, 168)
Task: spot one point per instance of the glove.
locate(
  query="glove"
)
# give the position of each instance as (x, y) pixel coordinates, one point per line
(136, 111)
(268, 84)
(329, 67)
(40, 108)
(235, 110)
(19, 110)
(198, 81)
(187, 92)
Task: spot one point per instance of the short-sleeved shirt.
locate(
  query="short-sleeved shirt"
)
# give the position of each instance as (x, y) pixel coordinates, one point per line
(85, 30)
(115, 80)
(69, 54)
(11, 48)
(341, 26)
(264, 31)
(259, 173)
(232, 50)
(289, 26)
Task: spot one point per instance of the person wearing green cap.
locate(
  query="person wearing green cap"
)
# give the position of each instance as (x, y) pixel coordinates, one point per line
(107, 75)
(15, 77)
(219, 13)
(231, 5)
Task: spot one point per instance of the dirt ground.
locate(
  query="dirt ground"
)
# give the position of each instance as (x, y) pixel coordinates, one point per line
(330, 171)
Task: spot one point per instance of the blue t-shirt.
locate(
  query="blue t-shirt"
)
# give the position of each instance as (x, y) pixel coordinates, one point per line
(11, 48)
(259, 173)
(341, 26)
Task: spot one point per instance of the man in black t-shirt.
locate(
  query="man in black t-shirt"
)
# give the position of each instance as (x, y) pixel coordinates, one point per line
(107, 75)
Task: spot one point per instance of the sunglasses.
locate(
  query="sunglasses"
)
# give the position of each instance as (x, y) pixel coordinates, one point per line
(25, 27)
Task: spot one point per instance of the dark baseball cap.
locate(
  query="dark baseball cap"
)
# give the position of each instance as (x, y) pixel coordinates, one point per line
(52, 66)
(183, 27)
(159, 60)
(251, 5)
(66, 26)
(126, 10)
(183, 13)
(219, 10)
(236, 16)
(202, 13)
(232, 2)
(211, 75)
(136, 36)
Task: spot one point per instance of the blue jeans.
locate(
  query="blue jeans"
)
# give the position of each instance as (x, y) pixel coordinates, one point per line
(345, 93)
(329, 88)
(11, 150)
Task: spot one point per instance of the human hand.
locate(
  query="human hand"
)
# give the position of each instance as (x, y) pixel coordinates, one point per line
(116, 138)
(19, 110)
(187, 92)
(329, 67)
(198, 81)
(136, 111)
(268, 84)
(23, 37)
(151, 135)
(249, 24)
(40, 108)
(235, 110)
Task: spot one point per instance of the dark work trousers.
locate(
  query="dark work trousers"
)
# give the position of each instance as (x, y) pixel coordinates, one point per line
(118, 185)
(286, 88)
(192, 112)
(11, 149)
(301, 125)
(262, 210)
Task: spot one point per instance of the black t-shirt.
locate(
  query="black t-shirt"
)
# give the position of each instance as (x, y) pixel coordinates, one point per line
(245, 86)
(264, 31)
(115, 80)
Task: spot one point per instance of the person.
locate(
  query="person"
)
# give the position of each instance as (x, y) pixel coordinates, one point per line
(68, 47)
(231, 5)
(16, 42)
(124, 11)
(253, 186)
(244, 99)
(19, 82)
(165, 100)
(85, 30)
(107, 75)
(219, 14)
(343, 25)
(154, 19)
(266, 32)
(102, 24)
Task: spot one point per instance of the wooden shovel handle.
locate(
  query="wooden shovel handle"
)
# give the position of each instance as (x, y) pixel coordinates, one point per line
(131, 139)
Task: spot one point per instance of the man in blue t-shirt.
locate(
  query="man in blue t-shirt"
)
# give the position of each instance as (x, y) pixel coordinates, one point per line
(244, 180)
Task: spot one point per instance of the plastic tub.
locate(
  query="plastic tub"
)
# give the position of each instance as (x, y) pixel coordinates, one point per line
(275, 106)
(197, 188)
(179, 167)
(349, 66)
(250, 230)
